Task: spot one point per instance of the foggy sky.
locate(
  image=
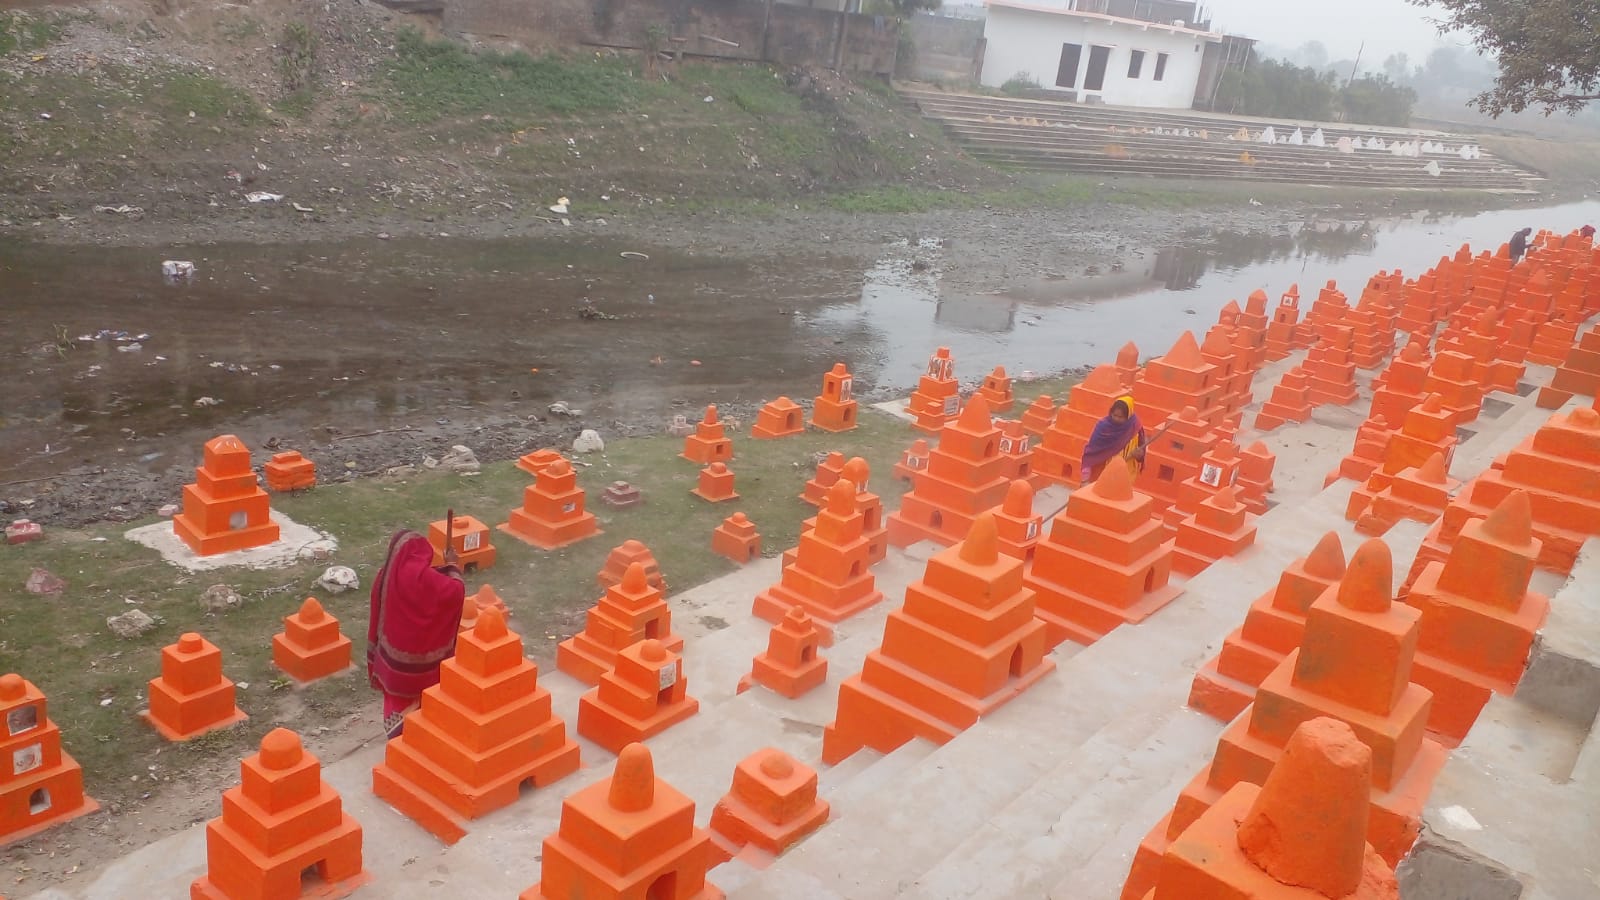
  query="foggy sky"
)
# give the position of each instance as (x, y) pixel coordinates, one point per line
(1387, 26)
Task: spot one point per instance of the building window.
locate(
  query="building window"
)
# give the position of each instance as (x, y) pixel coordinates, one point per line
(1067, 74)
(1136, 64)
(1094, 79)
(1161, 66)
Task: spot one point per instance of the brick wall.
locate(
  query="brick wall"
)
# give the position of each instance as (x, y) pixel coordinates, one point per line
(727, 29)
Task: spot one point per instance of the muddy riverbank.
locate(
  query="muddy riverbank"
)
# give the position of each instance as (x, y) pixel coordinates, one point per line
(369, 354)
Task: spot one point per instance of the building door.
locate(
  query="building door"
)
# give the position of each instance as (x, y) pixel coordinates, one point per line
(1067, 73)
(1095, 78)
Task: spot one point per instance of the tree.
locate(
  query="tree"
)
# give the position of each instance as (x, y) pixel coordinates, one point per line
(1397, 68)
(1375, 100)
(1549, 50)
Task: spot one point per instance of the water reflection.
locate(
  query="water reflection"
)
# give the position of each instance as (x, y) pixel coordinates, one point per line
(366, 335)
(1152, 297)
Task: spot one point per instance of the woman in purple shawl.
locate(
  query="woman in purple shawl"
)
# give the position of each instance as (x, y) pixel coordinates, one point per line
(1119, 434)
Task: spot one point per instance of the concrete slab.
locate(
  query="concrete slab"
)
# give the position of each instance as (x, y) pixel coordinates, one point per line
(295, 542)
(1495, 827)
(1563, 675)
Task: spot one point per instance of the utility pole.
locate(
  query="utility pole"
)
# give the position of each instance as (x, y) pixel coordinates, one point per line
(1357, 64)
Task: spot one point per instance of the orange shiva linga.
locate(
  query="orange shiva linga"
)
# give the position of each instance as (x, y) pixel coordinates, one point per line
(627, 837)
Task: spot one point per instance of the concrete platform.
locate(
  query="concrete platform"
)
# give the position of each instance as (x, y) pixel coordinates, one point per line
(1049, 795)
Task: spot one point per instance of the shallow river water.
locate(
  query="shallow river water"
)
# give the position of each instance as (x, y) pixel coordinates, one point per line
(363, 335)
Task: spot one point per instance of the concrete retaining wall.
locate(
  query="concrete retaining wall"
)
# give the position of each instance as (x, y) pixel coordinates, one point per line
(948, 49)
(725, 29)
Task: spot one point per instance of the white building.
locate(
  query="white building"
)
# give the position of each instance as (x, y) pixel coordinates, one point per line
(1097, 57)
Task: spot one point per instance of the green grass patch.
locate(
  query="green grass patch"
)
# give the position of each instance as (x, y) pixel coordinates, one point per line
(210, 99)
(435, 80)
(96, 682)
(22, 33)
(757, 89)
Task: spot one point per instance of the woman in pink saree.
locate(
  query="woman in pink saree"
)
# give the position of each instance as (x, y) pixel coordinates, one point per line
(416, 612)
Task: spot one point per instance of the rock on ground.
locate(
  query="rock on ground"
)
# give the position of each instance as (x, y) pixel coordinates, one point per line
(459, 459)
(130, 624)
(339, 579)
(588, 442)
(219, 597)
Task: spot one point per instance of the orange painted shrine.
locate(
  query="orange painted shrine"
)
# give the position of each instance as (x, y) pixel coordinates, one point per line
(964, 643)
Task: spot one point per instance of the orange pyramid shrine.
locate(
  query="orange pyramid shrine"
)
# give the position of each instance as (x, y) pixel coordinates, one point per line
(1290, 402)
(480, 734)
(914, 460)
(470, 540)
(626, 554)
(631, 611)
(1478, 617)
(874, 525)
(1372, 441)
(996, 388)
(191, 696)
(1040, 413)
(225, 509)
(1059, 454)
(539, 460)
(771, 806)
(792, 663)
(1127, 364)
(1579, 373)
(1019, 528)
(965, 476)
(1176, 458)
(310, 646)
(1354, 665)
(716, 484)
(1181, 378)
(41, 785)
(1300, 836)
(779, 419)
(1330, 368)
(1450, 377)
(710, 442)
(1557, 466)
(1400, 387)
(1256, 463)
(1419, 494)
(835, 409)
(1105, 562)
(552, 515)
(830, 576)
(828, 470)
(281, 820)
(1227, 683)
(483, 599)
(737, 539)
(627, 837)
(289, 471)
(1220, 527)
(1281, 340)
(964, 643)
(937, 399)
(643, 695)
(1428, 429)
